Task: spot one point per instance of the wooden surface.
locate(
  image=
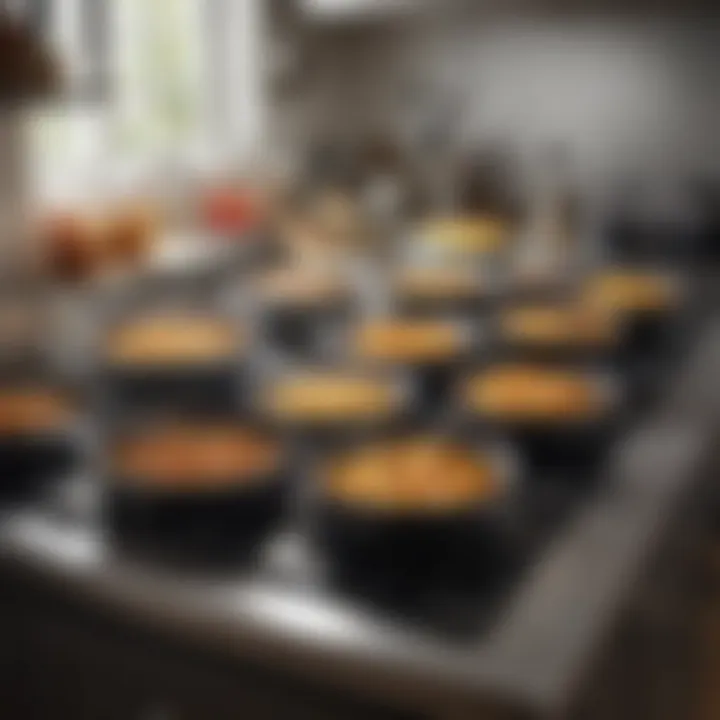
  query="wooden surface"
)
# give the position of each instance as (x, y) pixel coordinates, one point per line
(708, 681)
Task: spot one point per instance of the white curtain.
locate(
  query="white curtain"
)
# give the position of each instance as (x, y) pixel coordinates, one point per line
(186, 86)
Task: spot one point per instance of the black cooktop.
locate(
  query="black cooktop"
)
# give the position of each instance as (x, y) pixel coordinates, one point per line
(459, 611)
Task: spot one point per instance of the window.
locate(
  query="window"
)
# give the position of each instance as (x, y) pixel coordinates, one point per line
(147, 80)
(158, 96)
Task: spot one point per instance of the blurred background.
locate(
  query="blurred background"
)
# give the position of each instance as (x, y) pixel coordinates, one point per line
(170, 103)
(358, 359)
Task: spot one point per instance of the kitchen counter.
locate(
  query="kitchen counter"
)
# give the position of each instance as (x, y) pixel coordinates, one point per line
(536, 659)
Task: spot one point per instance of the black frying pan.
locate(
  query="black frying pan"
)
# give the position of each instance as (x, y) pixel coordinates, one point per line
(206, 527)
(32, 460)
(402, 553)
(558, 446)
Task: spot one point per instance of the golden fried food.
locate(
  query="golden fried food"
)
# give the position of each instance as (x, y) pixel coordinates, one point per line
(437, 283)
(330, 397)
(301, 286)
(195, 457)
(33, 410)
(628, 291)
(465, 234)
(521, 393)
(409, 341)
(423, 474)
(172, 341)
(558, 325)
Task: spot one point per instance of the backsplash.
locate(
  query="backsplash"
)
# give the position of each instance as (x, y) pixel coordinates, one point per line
(624, 95)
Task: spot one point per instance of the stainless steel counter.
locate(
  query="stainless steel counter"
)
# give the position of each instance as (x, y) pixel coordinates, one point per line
(534, 659)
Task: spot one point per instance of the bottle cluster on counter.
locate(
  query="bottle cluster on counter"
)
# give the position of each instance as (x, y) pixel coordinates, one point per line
(406, 426)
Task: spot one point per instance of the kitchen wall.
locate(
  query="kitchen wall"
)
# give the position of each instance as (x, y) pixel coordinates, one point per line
(625, 94)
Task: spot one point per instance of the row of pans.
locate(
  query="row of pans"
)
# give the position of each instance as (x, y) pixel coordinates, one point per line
(333, 328)
(432, 411)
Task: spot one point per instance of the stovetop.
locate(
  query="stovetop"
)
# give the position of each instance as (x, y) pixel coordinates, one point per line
(289, 561)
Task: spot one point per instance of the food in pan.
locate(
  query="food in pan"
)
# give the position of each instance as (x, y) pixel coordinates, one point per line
(129, 233)
(195, 458)
(465, 234)
(305, 242)
(301, 286)
(330, 397)
(437, 283)
(337, 215)
(72, 247)
(28, 411)
(172, 340)
(528, 393)
(631, 291)
(420, 474)
(409, 341)
(557, 325)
